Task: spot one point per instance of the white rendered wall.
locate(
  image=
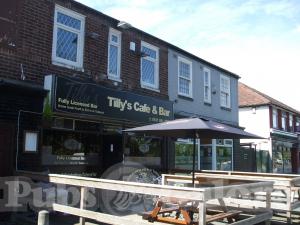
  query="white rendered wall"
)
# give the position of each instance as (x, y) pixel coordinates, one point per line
(256, 121)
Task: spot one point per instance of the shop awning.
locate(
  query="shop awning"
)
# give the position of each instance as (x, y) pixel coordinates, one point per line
(22, 85)
(188, 127)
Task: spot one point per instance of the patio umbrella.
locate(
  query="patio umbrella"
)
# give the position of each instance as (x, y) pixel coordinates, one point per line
(194, 128)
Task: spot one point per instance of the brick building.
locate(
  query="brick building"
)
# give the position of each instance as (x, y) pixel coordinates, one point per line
(73, 78)
(94, 70)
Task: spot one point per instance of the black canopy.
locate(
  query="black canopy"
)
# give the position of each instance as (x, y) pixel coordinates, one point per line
(194, 128)
(188, 127)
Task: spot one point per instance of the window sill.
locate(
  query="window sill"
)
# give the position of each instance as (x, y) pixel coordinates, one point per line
(56, 63)
(207, 103)
(185, 97)
(226, 108)
(150, 88)
(114, 78)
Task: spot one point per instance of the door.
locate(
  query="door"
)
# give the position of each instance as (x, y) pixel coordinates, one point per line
(6, 153)
(247, 159)
(112, 150)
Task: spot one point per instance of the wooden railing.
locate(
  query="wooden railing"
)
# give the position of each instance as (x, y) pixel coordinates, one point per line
(199, 195)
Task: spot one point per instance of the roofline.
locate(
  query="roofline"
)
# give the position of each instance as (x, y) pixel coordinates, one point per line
(271, 100)
(269, 104)
(165, 42)
(253, 105)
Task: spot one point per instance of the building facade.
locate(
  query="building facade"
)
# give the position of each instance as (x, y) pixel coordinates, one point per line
(71, 80)
(199, 88)
(278, 123)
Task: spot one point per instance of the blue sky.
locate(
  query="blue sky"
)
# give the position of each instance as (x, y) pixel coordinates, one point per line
(257, 39)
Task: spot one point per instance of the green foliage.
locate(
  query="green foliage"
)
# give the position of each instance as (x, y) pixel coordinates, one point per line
(47, 113)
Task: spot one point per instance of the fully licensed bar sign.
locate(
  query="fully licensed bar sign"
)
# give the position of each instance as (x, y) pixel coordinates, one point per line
(91, 99)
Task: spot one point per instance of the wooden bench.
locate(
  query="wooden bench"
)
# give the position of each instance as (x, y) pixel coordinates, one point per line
(220, 216)
(187, 212)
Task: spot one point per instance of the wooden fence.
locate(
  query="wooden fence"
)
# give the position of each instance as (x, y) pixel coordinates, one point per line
(199, 195)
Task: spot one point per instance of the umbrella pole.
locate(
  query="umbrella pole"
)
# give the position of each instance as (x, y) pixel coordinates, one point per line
(194, 159)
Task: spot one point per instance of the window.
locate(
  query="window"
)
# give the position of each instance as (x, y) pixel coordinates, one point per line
(207, 89)
(284, 120)
(184, 77)
(114, 54)
(291, 122)
(31, 141)
(298, 124)
(149, 66)
(68, 38)
(225, 91)
(275, 118)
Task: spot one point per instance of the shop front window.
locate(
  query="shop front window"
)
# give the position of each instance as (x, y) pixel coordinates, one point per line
(184, 154)
(277, 159)
(287, 164)
(61, 147)
(213, 154)
(143, 150)
(282, 162)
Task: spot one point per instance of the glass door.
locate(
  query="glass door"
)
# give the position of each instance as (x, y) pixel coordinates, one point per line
(206, 161)
(224, 158)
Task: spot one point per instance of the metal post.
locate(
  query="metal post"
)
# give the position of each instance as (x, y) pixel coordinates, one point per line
(194, 159)
(43, 218)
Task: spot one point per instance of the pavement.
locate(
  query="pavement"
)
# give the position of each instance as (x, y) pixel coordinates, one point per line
(60, 219)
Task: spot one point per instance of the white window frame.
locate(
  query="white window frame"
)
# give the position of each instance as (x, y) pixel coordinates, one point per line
(117, 33)
(229, 91)
(61, 61)
(284, 120)
(31, 141)
(184, 60)
(206, 70)
(145, 85)
(275, 117)
(291, 122)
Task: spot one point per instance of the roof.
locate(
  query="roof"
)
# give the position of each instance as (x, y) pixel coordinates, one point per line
(165, 42)
(249, 96)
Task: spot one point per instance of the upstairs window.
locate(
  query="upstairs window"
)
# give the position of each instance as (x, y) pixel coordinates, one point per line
(225, 91)
(298, 124)
(149, 66)
(184, 77)
(291, 122)
(275, 118)
(207, 86)
(68, 38)
(284, 120)
(114, 54)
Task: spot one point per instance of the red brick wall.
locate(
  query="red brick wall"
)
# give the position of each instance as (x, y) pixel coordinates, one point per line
(34, 31)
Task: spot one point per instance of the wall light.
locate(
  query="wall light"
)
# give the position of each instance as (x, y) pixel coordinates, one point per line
(124, 25)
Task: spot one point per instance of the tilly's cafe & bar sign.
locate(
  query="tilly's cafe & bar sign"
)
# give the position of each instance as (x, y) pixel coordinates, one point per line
(76, 97)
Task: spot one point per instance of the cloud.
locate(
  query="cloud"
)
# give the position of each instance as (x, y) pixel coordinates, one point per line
(297, 29)
(257, 39)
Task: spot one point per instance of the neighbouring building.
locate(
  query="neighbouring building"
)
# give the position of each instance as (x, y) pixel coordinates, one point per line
(278, 123)
(202, 89)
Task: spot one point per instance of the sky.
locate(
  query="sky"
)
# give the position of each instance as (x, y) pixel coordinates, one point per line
(257, 39)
